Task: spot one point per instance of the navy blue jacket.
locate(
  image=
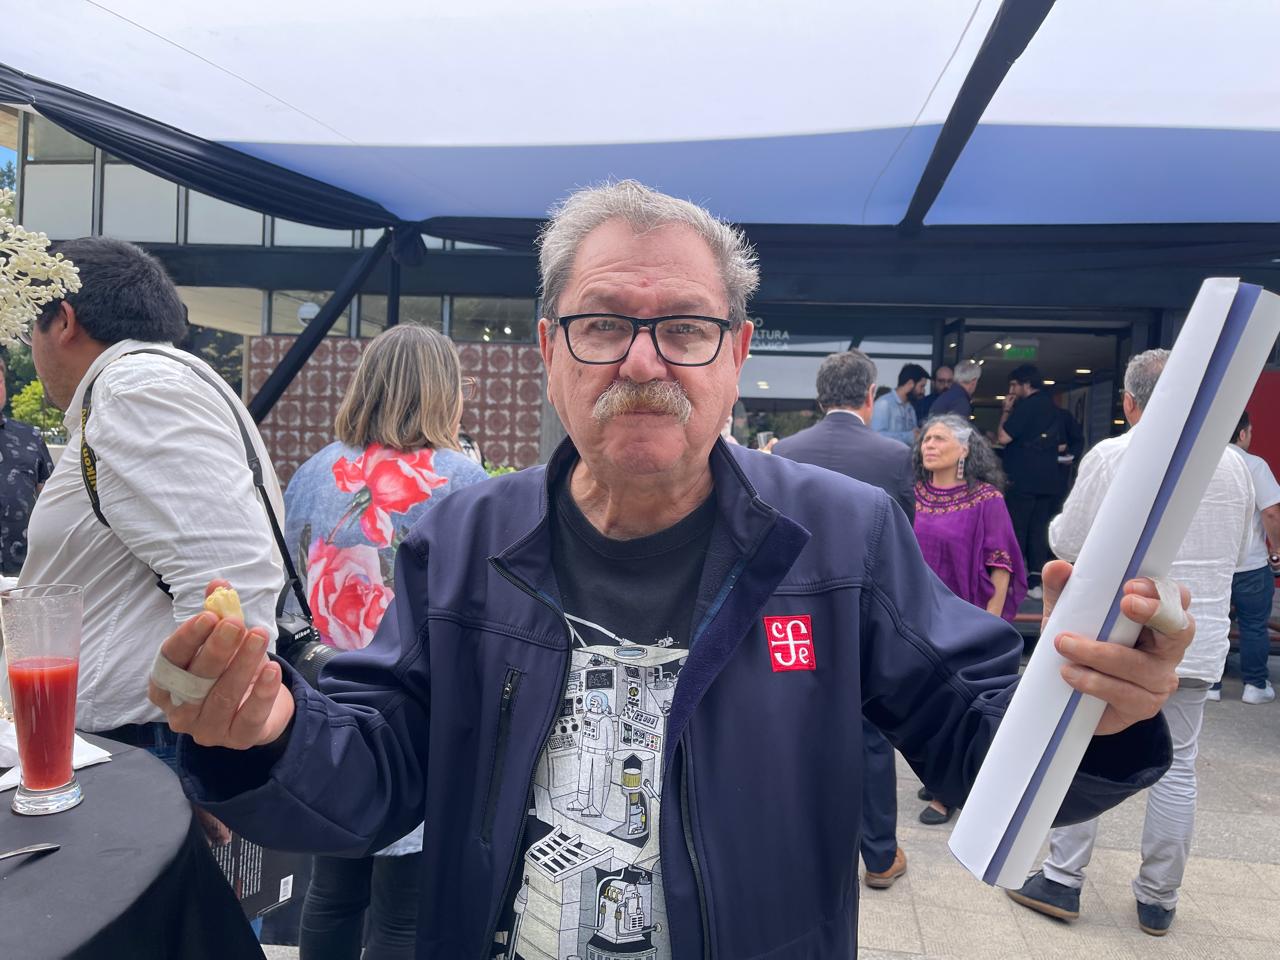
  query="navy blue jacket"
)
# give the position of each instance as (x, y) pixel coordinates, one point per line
(444, 715)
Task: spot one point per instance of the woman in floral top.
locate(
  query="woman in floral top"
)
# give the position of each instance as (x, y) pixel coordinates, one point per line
(347, 509)
(963, 527)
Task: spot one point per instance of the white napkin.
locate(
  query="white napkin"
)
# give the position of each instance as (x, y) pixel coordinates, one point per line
(83, 754)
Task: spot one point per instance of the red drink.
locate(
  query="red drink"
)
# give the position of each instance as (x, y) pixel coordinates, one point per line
(44, 712)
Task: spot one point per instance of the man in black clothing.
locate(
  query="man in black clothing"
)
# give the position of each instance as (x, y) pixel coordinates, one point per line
(843, 441)
(942, 380)
(25, 465)
(1031, 430)
(958, 398)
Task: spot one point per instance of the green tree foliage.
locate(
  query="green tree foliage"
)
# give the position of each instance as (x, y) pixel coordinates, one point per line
(29, 406)
(19, 370)
(8, 183)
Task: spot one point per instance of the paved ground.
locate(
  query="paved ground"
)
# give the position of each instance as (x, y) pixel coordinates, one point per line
(1230, 903)
(1230, 906)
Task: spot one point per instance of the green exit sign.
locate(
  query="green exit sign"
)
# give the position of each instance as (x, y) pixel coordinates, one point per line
(1020, 353)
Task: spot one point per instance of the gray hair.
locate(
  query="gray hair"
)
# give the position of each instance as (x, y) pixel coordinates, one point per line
(844, 379)
(1141, 374)
(967, 372)
(644, 209)
(980, 466)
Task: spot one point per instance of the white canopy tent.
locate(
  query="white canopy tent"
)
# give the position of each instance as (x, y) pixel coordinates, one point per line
(904, 120)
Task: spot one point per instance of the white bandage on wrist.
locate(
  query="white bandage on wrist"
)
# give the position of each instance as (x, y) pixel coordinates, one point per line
(1169, 617)
(181, 685)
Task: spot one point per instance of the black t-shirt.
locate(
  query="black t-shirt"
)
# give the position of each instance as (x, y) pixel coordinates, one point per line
(1031, 460)
(590, 879)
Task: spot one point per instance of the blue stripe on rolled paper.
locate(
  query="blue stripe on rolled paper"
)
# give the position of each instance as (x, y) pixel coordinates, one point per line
(1233, 327)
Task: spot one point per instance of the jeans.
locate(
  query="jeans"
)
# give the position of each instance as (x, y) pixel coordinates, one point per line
(1030, 516)
(1170, 822)
(341, 888)
(879, 801)
(1251, 593)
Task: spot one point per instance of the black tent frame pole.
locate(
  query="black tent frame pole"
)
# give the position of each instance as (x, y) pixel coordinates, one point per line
(316, 330)
(393, 295)
(1012, 29)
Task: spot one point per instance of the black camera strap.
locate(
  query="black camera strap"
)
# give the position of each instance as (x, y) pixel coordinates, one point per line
(89, 474)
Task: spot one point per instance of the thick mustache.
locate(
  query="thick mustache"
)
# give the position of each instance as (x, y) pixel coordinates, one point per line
(655, 396)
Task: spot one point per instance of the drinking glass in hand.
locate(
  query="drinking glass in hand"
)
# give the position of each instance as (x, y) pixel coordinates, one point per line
(42, 653)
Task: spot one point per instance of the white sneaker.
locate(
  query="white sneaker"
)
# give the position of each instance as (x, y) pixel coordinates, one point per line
(1035, 593)
(1254, 694)
(1215, 693)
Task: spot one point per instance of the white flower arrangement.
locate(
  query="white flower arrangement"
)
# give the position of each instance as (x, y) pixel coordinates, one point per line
(30, 276)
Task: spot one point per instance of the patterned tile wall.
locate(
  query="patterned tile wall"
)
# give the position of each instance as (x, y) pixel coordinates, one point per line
(505, 417)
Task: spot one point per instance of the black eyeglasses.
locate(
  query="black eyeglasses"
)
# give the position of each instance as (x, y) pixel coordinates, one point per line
(684, 341)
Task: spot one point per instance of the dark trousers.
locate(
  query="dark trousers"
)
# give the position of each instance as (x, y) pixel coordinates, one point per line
(1031, 514)
(333, 920)
(1251, 593)
(879, 801)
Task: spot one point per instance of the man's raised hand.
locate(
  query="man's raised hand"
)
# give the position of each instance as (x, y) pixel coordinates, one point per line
(1134, 682)
(247, 706)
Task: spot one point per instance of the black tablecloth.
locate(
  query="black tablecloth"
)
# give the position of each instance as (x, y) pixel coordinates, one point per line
(134, 877)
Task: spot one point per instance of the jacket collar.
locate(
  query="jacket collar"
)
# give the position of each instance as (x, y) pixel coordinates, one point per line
(743, 518)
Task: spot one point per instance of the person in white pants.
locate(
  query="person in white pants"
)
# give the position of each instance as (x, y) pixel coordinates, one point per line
(1216, 545)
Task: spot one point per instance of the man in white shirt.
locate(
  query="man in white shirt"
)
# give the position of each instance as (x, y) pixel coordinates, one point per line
(1215, 545)
(172, 478)
(1253, 586)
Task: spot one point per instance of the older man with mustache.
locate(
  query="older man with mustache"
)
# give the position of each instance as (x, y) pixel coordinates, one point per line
(626, 690)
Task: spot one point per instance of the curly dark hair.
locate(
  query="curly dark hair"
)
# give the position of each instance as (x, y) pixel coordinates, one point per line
(980, 466)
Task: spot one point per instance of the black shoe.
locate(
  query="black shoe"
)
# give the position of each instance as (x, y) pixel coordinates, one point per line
(924, 794)
(1155, 919)
(1049, 897)
(933, 818)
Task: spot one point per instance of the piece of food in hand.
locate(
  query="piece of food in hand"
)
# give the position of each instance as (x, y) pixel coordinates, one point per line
(225, 602)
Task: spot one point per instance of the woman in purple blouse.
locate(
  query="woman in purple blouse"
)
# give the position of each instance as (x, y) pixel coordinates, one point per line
(963, 527)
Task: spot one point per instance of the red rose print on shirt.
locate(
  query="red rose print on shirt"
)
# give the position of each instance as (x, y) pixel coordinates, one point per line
(346, 592)
(391, 480)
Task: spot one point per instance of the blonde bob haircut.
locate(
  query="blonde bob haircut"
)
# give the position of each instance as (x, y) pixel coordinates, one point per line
(405, 394)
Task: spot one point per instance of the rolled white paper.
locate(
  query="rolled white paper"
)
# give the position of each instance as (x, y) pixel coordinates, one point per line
(1141, 522)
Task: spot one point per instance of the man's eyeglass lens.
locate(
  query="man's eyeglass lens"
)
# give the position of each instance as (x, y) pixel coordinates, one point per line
(607, 338)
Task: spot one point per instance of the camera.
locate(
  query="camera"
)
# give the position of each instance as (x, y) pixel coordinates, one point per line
(299, 644)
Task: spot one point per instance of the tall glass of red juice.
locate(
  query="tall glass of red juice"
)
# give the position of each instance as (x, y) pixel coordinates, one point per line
(41, 626)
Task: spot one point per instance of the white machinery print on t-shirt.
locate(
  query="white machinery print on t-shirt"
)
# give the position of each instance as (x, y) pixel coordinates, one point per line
(592, 886)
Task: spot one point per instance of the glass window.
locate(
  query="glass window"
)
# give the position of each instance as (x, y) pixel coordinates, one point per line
(292, 310)
(236, 310)
(221, 350)
(493, 319)
(138, 206)
(57, 199)
(290, 234)
(49, 143)
(215, 221)
(424, 310)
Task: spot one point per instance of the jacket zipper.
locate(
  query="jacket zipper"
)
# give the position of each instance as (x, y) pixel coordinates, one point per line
(528, 790)
(687, 823)
(510, 685)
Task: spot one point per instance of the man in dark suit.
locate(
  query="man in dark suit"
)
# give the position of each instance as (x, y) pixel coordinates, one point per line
(843, 441)
(1031, 430)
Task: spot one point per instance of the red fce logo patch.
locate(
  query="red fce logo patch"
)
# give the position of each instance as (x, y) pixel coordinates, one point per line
(790, 642)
